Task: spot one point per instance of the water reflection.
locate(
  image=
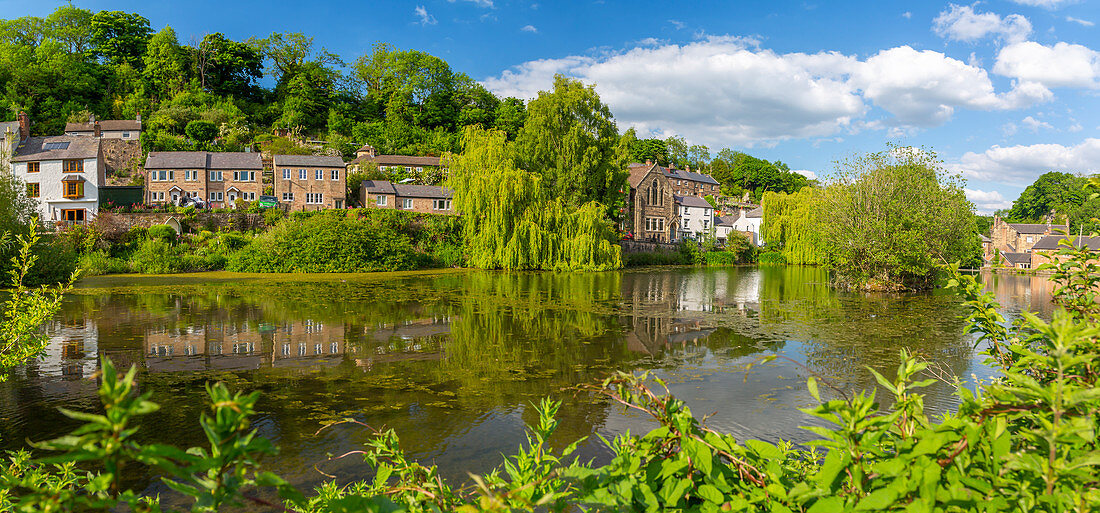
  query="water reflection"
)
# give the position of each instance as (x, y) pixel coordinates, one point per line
(453, 360)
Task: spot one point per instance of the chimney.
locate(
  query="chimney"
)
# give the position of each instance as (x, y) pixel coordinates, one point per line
(24, 126)
(138, 117)
(649, 162)
(688, 169)
(95, 129)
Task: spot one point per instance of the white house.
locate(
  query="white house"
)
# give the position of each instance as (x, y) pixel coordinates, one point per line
(63, 173)
(750, 222)
(696, 216)
(125, 129)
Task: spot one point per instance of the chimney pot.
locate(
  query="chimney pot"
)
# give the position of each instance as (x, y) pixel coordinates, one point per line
(649, 162)
(24, 126)
(95, 129)
(138, 117)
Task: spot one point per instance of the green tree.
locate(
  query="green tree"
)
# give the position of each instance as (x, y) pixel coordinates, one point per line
(165, 64)
(1052, 192)
(570, 140)
(890, 219)
(649, 149)
(72, 27)
(119, 37)
(511, 221)
(510, 115)
(227, 67)
(201, 131)
(25, 309)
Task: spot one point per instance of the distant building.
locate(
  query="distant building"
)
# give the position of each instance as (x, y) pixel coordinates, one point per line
(11, 134)
(429, 168)
(426, 199)
(220, 179)
(1046, 250)
(63, 174)
(1011, 244)
(126, 129)
(749, 222)
(696, 216)
(310, 182)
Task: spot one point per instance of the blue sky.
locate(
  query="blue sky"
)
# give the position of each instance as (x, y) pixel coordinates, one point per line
(1002, 91)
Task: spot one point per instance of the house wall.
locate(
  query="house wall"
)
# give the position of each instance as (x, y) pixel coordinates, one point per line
(370, 199)
(696, 221)
(749, 225)
(666, 209)
(127, 135)
(51, 198)
(422, 205)
(154, 188)
(693, 188)
(333, 192)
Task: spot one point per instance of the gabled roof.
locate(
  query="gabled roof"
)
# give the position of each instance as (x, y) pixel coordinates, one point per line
(422, 191)
(1051, 242)
(106, 124)
(756, 212)
(1031, 228)
(692, 201)
(55, 148)
(725, 220)
(983, 238)
(378, 187)
(308, 160)
(680, 174)
(638, 171)
(1016, 258)
(203, 160)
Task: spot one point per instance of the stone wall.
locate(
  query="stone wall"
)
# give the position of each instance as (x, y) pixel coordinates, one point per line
(637, 246)
(201, 221)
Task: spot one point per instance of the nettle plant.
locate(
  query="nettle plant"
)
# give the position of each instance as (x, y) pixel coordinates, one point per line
(1026, 441)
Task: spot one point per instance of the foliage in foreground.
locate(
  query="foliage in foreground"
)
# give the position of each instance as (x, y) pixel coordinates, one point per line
(1027, 441)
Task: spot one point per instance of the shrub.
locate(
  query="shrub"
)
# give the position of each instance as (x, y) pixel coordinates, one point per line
(162, 232)
(272, 216)
(771, 258)
(54, 263)
(155, 256)
(325, 243)
(655, 258)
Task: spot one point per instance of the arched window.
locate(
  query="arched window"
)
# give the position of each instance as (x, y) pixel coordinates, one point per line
(655, 193)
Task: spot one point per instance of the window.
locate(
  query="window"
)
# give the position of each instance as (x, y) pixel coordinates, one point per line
(655, 197)
(215, 176)
(125, 135)
(33, 190)
(215, 196)
(406, 203)
(380, 200)
(314, 198)
(32, 167)
(75, 215)
(244, 176)
(74, 189)
(73, 166)
(654, 224)
(408, 169)
(1031, 239)
(286, 174)
(301, 174)
(419, 169)
(335, 175)
(318, 174)
(250, 196)
(441, 204)
(191, 175)
(288, 196)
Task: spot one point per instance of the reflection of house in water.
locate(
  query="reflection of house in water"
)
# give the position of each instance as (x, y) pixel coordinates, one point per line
(220, 345)
(307, 342)
(72, 347)
(416, 339)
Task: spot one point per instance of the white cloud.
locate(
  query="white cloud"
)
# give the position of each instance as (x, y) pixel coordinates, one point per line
(488, 4)
(1049, 4)
(529, 28)
(806, 172)
(1079, 21)
(907, 15)
(678, 24)
(425, 18)
(987, 201)
(1021, 165)
(739, 93)
(961, 23)
(1076, 127)
(1061, 65)
(1034, 124)
(1009, 129)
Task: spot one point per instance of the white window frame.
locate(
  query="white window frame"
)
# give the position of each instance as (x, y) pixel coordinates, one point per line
(335, 175)
(302, 174)
(318, 174)
(216, 176)
(380, 200)
(288, 196)
(407, 203)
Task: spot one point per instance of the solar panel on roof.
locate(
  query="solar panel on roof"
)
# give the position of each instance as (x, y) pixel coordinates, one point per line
(55, 146)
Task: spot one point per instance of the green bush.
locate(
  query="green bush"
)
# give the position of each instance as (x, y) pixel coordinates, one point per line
(272, 216)
(100, 262)
(771, 258)
(155, 256)
(655, 258)
(327, 244)
(54, 262)
(162, 232)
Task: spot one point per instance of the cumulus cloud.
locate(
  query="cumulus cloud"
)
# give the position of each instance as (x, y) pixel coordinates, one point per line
(1049, 4)
(806, 172)
(1061, 65)
(1079, 21)
(987, 201)
(728, 90)
(425, 18)
(1034, 124)
(962, 23)
(529, 28)
(1021, 165)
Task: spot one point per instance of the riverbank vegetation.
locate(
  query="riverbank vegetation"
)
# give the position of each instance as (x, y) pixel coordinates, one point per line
(884, 221)
(1024, 442)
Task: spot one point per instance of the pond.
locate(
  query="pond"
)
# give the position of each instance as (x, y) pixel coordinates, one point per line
(453, 360)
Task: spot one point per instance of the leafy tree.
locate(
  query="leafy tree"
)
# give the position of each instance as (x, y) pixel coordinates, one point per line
(890, 219)
(72, 27)
(119, 37)
(1052, 192)
(570, 140)
(677, 151)
(649, 149)
(25, 309)
(792, 225)
(740, 173)
(201, 131)
(165, 64)
(510, 115)
(227, 67)
(512, 221)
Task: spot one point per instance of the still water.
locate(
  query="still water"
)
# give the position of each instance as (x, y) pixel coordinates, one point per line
(453, 360)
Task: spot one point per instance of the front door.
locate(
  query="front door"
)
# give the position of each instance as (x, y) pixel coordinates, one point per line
(231, 198)
(73, 216)
(176, 197)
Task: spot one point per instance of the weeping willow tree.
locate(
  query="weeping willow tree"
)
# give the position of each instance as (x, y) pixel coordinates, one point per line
(513, 222)
(791, 224)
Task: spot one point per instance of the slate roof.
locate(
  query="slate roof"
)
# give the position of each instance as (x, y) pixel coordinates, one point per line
(1051, 242)
(203, 160)
(121, 125)
(308, 160)
(422, 191)
(378, 187)
(398, 160)
(78, 148)
(693, 201)
(1016, 258)
(637, 171)
(725, 220)
(756, 212)
(1031, 228)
